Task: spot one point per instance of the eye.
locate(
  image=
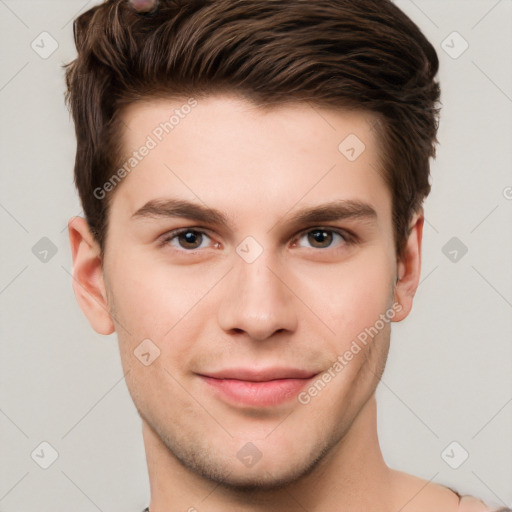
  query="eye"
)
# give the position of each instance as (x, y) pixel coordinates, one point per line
(191, 239)
(186, 238)
(321, 238)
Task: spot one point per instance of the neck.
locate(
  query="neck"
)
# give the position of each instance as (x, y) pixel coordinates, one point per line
(352, 476)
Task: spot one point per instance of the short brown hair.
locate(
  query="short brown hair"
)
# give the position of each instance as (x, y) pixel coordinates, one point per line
(356, 54)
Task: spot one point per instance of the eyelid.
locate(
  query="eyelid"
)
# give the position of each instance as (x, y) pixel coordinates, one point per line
(173, 233)
(348, 236)
(335, 229)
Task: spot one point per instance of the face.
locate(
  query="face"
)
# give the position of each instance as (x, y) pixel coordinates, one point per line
(250, 269)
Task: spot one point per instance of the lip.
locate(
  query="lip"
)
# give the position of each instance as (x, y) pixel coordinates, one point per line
(258, 387)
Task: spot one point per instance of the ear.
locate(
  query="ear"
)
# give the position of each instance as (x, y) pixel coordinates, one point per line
(409, 267)
(88, 282)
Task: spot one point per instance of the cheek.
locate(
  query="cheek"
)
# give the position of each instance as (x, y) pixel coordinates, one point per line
(151, 300)
(163, 302)
(349, 297)
(167, 305)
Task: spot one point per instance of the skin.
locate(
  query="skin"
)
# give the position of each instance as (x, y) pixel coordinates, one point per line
(298, 304)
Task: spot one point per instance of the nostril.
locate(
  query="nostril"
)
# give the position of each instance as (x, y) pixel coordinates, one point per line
(143, 5)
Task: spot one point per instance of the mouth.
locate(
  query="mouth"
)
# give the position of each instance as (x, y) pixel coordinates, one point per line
(258, 387)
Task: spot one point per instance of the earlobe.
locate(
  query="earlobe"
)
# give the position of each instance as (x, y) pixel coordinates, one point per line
(88, 281)
(409, 268)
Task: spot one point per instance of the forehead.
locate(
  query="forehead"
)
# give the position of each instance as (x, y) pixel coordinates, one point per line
(232, 154)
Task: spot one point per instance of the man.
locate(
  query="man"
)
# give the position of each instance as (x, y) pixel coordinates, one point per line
(252, 175)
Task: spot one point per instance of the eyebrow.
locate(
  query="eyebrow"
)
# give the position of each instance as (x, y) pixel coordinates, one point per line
(332, 211)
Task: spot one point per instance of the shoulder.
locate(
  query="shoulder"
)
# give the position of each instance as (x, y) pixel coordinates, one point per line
(415, 494)
(427, 496)
(472, 504)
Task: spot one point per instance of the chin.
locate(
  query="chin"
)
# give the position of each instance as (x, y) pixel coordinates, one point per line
(249, 482)
(267, 475)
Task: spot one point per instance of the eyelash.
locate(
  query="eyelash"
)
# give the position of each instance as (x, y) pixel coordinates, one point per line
(348, 238)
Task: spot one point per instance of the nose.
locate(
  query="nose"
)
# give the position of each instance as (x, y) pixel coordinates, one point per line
(256, 300)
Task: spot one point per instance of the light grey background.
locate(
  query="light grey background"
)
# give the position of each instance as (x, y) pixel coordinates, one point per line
(449, 371)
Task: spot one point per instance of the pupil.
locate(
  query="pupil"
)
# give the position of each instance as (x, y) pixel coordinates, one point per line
(318, 237)
(192, 237)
